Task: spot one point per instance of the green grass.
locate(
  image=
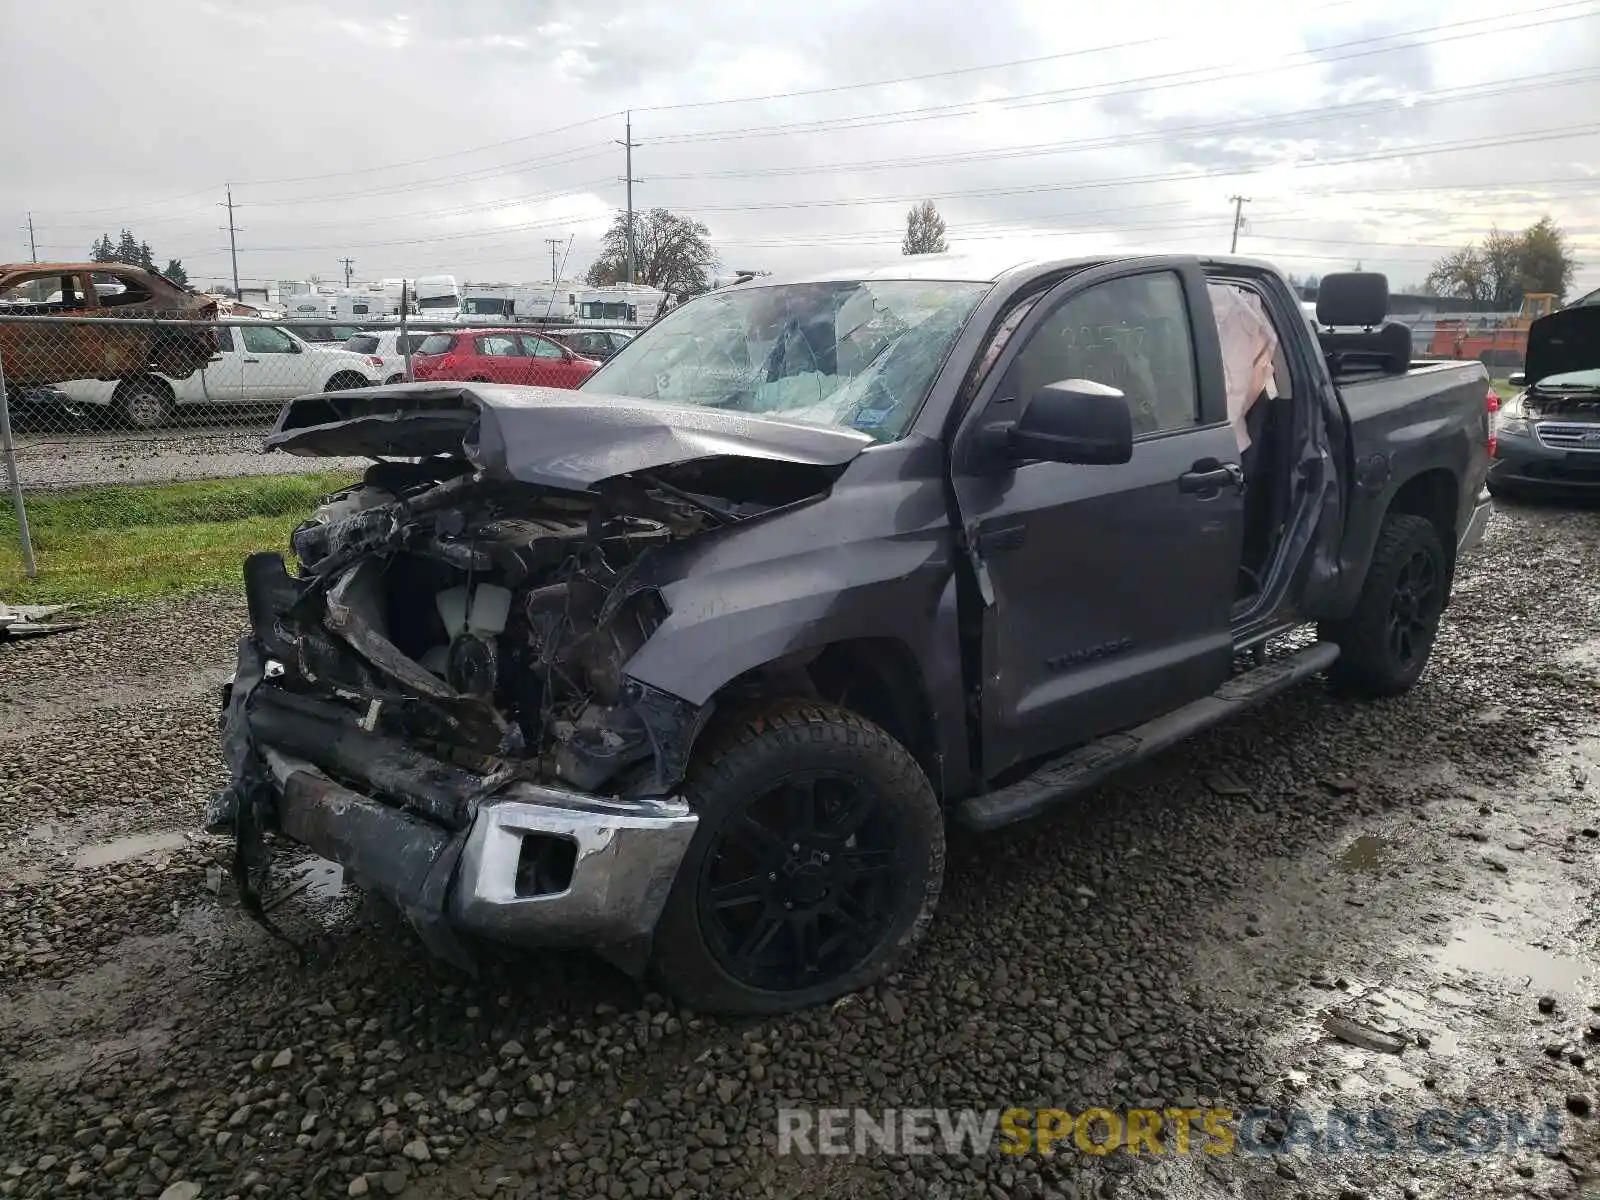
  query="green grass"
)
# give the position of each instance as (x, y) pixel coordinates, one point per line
(95, 546)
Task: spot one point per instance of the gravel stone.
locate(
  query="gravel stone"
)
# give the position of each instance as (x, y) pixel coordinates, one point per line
(144, 1020)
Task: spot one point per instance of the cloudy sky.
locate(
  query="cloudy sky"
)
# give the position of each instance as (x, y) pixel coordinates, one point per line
(423, 137)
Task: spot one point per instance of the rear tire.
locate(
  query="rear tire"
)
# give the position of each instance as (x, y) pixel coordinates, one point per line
(393, 379)
(345, 380)
(814, 869)
(144, 403)
(1385, 643)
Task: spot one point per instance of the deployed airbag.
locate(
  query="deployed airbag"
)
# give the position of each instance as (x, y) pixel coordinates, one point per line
(1249, 348)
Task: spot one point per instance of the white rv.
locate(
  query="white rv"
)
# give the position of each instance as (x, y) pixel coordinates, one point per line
(360, 304)
(620, 304)
(438, 298)
(307, 305)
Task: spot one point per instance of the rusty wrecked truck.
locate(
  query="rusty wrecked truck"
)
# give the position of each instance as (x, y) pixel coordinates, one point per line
(84, 345)
(699, 665)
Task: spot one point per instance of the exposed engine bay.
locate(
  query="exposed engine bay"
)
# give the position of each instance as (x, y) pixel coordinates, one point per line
(485, 622)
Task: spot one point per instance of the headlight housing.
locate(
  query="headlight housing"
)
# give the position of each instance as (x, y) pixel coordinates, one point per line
(1512, 419)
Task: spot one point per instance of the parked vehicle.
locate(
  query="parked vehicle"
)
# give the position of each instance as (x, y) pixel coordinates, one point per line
(257, 364)
(363, 306)
(499, 356)
(324, 335)
(598, 344)
(51, 353)
(387, 346)
(437, 297)
(693, 666)
(1548, 434)
(309, 306)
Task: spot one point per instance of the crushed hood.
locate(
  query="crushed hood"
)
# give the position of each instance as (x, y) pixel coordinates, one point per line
(1563, 342)
(545, 436)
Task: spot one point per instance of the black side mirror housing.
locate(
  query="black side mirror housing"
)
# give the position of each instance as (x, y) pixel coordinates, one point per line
(1518, 379)
(1074, 421)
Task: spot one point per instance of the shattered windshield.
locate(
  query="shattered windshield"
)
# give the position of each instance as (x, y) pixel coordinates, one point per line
(855, 354)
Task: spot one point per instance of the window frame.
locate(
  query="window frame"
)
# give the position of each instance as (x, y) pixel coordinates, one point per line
(1046, 322)
(555, 351)
(479, 340)
(990, 407)
(245, 331)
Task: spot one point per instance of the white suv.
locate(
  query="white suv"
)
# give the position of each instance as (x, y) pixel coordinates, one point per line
(257, 364)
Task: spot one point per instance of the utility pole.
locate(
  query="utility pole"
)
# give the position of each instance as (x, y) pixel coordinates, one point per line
(628, 143)
(554, 244)
(233, 242)
(1238, 220)
(349, 264)
(33, 246)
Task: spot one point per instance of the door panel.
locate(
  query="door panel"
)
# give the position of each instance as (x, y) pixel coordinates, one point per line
(1112, 586)
(220, 380)
(500, 357)
(269, 368)
(547, 365)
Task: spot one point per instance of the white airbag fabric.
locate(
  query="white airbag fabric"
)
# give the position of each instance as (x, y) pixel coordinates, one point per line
(1249, 348)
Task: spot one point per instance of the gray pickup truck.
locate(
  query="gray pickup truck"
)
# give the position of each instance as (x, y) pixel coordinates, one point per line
(699, 666)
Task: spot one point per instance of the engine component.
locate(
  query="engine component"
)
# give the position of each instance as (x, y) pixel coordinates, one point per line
(472, 665)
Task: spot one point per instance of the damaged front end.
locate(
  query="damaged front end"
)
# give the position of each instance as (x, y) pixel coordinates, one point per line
(437, 701)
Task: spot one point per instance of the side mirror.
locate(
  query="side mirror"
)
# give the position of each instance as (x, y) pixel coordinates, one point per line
(1074, 421)
(1517, 379)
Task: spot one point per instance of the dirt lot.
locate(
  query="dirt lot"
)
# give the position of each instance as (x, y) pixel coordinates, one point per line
(1424, 865)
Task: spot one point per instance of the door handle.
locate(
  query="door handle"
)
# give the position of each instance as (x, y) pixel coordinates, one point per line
(997, 540)
(254, 360)
(1208, 477)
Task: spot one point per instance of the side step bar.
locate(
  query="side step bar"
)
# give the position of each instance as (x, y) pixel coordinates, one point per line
(1089, 764)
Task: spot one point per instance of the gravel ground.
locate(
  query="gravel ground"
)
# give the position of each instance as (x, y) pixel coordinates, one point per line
(54, 460)
(1423, 865)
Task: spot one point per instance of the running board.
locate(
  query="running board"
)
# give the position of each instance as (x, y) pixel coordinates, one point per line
(1089, 764)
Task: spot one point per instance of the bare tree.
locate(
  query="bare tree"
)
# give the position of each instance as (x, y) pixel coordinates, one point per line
(672, 253)
(924, 231)
(1460, 275)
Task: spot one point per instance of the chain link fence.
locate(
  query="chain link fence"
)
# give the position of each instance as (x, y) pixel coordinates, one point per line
(114, 400)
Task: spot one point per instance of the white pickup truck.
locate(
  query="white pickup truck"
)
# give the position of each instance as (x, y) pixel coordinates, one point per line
(258, 364)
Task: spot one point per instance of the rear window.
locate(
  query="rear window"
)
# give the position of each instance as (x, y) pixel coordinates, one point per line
(362, 343)
(436, 343)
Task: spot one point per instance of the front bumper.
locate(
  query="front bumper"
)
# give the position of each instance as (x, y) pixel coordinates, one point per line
(516, 862)
(606, 889)
(1525, 463)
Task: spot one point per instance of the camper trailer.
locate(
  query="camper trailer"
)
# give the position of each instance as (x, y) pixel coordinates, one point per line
(438, 297)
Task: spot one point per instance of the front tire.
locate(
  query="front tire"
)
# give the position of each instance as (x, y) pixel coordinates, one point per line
(814, 869)
(346, 380)
(1385, 643)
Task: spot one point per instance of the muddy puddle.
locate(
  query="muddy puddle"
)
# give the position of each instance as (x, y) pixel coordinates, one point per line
(1452, 965)
(126, 849)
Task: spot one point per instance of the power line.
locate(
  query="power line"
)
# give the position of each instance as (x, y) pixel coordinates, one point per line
(1338, 112)
(1222, 72)
(1416, 150)
(413, 162)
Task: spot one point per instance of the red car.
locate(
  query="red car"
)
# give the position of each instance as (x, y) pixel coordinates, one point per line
(499, 356)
